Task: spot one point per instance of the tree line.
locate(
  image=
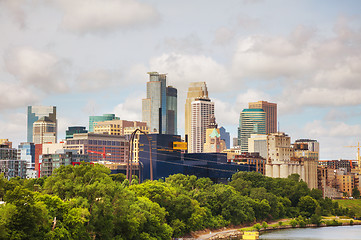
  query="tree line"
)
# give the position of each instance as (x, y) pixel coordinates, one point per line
(87, 202)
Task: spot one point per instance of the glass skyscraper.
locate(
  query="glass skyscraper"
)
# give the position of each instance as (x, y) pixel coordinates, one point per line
(159, 109)
(251, 121)
(36, 112)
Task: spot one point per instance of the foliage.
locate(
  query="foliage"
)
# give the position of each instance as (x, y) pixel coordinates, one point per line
(87, 202)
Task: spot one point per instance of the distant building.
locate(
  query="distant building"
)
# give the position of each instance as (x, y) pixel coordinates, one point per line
(214, 143)
(225, 136)
(307, 148)
(159, 109)
(44, 131)
(271, 114)
(10, 165)
(165, 159)
(35, 113)
(257, 143)
(116, 147)
(254, 160)
(281, 161)
(95, 119)
(202, 112)
(251, 121)
(26, 151)
(76, 129)
(50, 162)
(118, 127)
(6, 142)
(196, 90)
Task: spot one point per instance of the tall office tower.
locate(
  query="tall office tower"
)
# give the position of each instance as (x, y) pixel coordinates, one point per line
(159, 109)
(271, 114)
(36, 112)
(94, 119)
(195, 90)
(172, 110)
(251, 121)
(202, 113)
(44, 131)
(225, 136)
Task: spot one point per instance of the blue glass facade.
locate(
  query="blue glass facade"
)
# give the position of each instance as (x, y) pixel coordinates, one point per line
(225, 136)
(167, 161)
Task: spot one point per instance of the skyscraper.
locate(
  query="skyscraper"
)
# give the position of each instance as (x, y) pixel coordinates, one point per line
(251, 121)
(36, 112)
(195, 90)
(44, 131)
(159, 109)
(202, 113)
(271, 114)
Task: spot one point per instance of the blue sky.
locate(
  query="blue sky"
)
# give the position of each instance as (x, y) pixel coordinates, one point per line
(91, 57)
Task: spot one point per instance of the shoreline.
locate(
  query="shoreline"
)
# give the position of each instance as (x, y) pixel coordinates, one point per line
(236, 233)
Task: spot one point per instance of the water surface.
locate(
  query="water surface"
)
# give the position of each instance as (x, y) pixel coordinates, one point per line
(322, 233)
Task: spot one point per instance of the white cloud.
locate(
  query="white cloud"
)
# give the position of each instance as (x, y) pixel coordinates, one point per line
(37, 68)
(332, 129)
(189, 44)
(15, 95)
(105, 15)
(97, 79)
(186, 68)
(17, 13)
(223, 35)
(225, 113)
(131, 108)
(13, 126)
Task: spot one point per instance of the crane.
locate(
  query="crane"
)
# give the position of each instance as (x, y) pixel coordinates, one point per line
(101, 153)
(358, 154)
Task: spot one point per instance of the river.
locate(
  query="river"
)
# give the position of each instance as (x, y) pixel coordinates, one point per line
(322, 233)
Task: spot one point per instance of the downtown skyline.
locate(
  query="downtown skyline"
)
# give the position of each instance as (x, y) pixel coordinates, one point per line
(302, 55)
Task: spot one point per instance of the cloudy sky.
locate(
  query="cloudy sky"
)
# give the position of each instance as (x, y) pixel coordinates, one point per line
(90, 57)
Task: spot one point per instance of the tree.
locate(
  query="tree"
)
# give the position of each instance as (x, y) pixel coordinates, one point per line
(356, 193)
(307, 206)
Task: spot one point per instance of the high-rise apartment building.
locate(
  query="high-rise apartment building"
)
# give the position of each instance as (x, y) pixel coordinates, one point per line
(93, 120)
(202, 113)
(36, 112)
(10, 165)
(44, 131)
(251, 121)
(26, 151)
(195, 90)
(225, 136)
(271, 114)
(159, 109)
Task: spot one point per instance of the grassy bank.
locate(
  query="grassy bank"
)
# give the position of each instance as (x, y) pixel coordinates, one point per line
(287, 223)
(354, 205)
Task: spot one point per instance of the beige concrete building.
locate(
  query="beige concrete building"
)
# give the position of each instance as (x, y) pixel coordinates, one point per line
(202, 112)
(258, 143)
(271, 114)
(118, 127)
(281, 161)
(44, 131)
(195, 90)
(214, 143)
